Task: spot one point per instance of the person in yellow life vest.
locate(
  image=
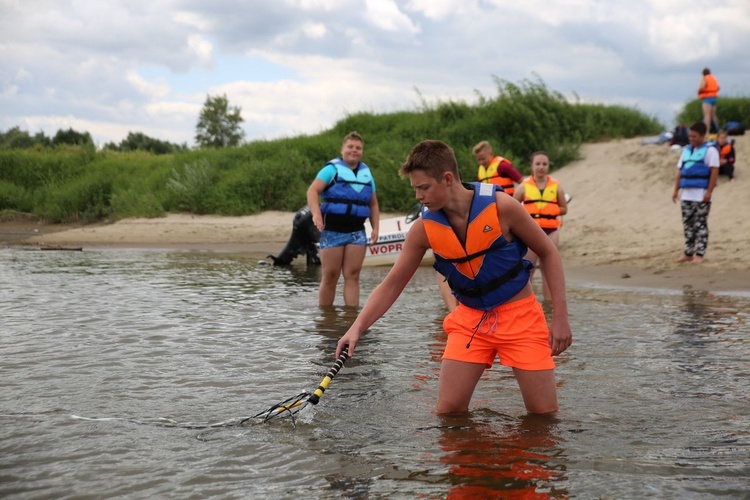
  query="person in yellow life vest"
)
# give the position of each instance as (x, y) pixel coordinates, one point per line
(496, 169)
(544, 199)
(708, 92)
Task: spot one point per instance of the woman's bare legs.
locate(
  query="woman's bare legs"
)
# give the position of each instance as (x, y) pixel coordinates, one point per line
(331, 261)
(709, 115)
(354, 256)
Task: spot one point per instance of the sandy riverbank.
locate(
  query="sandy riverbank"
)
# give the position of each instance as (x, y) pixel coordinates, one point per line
(622, 227)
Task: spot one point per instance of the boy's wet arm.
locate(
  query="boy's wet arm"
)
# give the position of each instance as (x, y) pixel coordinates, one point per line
(516, 220)
(385, 294)
(416, 245)
(561, 201)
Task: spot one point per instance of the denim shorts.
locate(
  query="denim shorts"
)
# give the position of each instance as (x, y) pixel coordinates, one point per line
(332, 239)
(709, 100)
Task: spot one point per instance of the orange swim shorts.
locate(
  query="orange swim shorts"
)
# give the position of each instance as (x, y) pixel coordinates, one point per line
(517, 332)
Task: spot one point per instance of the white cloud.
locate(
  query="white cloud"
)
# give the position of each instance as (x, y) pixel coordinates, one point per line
(325, 5)
(439, 10)
(386, 15)
(201, 48)
(558, 12)
(110, 67)
(8, 91)
(192, 20)
(22, 75)
(174, 110)
(151, 90)
(314, 30)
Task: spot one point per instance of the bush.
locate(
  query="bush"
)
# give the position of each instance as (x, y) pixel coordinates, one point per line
(86, 198)
(728, 109)
(192, 186)
(14, 197)
(131, 203)
(72, 182)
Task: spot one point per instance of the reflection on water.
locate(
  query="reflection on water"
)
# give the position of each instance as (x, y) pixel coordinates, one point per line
(492, 456)
(147, 344)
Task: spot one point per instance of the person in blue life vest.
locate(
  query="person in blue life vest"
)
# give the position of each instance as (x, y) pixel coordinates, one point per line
(493, 169)
(694, 186)
(479, 236)
(347, 188)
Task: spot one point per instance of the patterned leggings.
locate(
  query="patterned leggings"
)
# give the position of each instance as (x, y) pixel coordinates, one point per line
(695, 224)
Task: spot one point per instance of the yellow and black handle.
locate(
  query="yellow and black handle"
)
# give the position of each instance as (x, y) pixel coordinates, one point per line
(315, 396)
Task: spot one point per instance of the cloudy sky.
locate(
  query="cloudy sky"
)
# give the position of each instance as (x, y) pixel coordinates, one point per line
(297, 66)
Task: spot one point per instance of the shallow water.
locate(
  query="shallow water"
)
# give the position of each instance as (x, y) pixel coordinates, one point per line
(148, 347)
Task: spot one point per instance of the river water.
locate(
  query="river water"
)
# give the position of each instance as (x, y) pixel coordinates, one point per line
(114, 362)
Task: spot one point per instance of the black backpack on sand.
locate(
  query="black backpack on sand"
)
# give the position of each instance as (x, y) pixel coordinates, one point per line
(680, 135)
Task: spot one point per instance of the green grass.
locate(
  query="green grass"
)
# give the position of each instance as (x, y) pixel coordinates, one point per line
(72, 183)
(728, 109)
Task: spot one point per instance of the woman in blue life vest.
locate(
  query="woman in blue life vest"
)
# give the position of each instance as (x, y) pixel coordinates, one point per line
(694, 186)
(347, 188)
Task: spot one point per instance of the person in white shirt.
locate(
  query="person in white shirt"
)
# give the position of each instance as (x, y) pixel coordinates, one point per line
(694, 187)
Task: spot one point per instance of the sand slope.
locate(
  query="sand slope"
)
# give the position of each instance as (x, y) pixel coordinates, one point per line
(621, 224)
(622, 212)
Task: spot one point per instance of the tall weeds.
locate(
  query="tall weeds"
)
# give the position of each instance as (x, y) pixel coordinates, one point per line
(728, 109)
(75, 183)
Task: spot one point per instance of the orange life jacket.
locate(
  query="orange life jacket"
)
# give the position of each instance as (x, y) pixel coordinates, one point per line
(490, 174)
(726, 150)
(711, 89)
(486, 270)
(542, 206)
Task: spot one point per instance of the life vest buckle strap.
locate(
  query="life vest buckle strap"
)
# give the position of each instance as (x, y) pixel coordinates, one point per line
(345, 201)
(461, 260)
(688, 176)
(551, 202)
(481, 290)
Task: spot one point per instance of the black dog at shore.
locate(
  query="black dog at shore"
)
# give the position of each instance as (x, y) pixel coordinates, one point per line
(304, 239)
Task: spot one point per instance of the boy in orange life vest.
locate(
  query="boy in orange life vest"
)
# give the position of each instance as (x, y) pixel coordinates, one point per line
(726, 154)
(479, 237)
(544, 199)
(495, 169)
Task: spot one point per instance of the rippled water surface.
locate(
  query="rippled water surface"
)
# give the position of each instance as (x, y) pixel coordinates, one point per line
(113, 362)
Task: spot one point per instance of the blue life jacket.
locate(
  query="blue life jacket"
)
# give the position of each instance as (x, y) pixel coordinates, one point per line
(349, 193)
(487, 270)
(694, 172)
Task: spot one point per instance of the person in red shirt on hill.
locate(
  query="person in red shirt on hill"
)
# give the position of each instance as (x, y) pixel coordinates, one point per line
(496, 169)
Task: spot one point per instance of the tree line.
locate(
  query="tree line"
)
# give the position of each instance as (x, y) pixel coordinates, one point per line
(218, 127)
